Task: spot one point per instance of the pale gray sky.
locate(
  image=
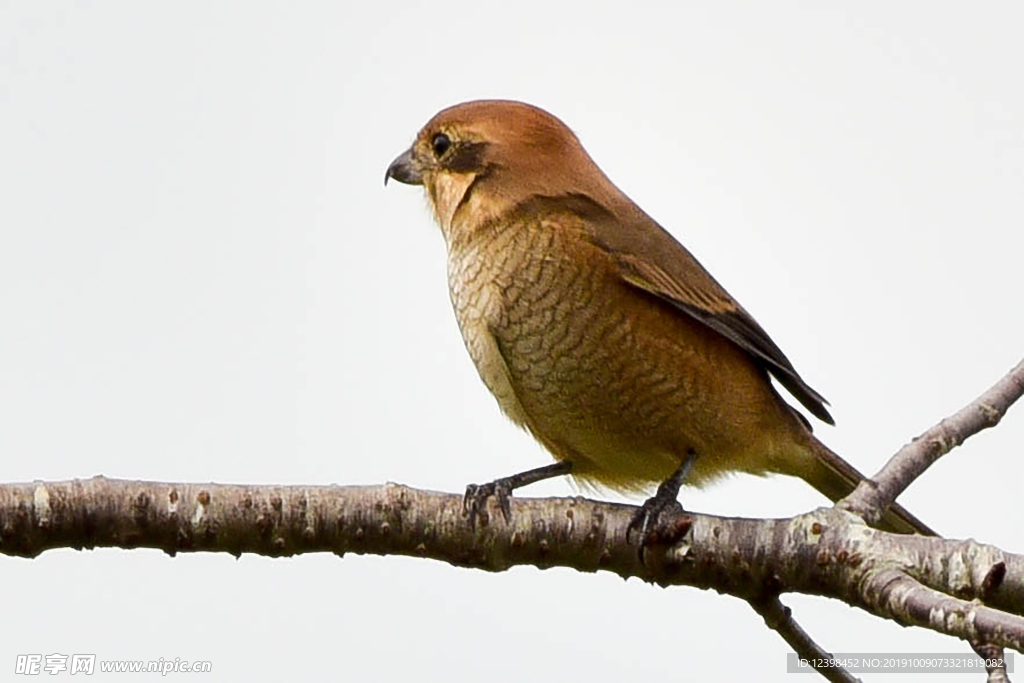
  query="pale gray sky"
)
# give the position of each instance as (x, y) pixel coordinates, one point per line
(202, 278)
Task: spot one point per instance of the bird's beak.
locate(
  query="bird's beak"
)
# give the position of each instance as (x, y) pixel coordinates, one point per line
(403, 169)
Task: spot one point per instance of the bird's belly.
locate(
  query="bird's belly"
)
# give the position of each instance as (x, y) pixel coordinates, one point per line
(622, 387)
(628, 402)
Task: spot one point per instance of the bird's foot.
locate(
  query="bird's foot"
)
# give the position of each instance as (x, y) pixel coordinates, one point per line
(474, 502)
(645, 519)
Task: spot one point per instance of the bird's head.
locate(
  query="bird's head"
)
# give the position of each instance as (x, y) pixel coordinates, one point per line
(482, 158)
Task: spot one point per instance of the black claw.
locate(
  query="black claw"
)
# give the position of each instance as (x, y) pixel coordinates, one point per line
(474, 502)
(647, 522)
(645, 519)
(503, 492)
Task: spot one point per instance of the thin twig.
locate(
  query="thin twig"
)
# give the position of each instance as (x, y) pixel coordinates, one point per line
(780, 619)
(876, 494)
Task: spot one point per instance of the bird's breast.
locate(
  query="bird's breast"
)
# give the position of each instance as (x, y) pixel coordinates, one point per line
(474, 284)
(539, 318)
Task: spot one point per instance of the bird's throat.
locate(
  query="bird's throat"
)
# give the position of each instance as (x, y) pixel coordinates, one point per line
(446, 194)
(460, 209)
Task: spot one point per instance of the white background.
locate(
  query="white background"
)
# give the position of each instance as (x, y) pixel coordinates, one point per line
(203, 279)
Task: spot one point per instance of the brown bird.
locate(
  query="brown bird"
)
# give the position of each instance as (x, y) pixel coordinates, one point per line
(596, 330)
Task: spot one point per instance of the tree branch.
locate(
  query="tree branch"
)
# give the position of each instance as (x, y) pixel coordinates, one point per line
(876, 494)
(929, 582)
(780, 619)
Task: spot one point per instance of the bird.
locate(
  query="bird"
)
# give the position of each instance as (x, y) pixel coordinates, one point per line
(600, 333)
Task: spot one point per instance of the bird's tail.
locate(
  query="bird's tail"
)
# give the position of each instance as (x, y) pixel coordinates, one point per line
(836, 478)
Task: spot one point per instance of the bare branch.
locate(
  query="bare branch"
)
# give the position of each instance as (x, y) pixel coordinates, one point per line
(876, 494)
(826, 552)
(970, 570)
(995, 664)
(780, 619)
(898, 596)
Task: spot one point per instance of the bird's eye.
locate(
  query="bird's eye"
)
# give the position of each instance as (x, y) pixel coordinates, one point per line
(440, 143)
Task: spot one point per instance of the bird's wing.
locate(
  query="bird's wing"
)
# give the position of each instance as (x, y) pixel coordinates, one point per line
(650, 259)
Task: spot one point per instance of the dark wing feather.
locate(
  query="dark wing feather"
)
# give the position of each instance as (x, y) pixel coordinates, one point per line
(652, 260)
(722, 314)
